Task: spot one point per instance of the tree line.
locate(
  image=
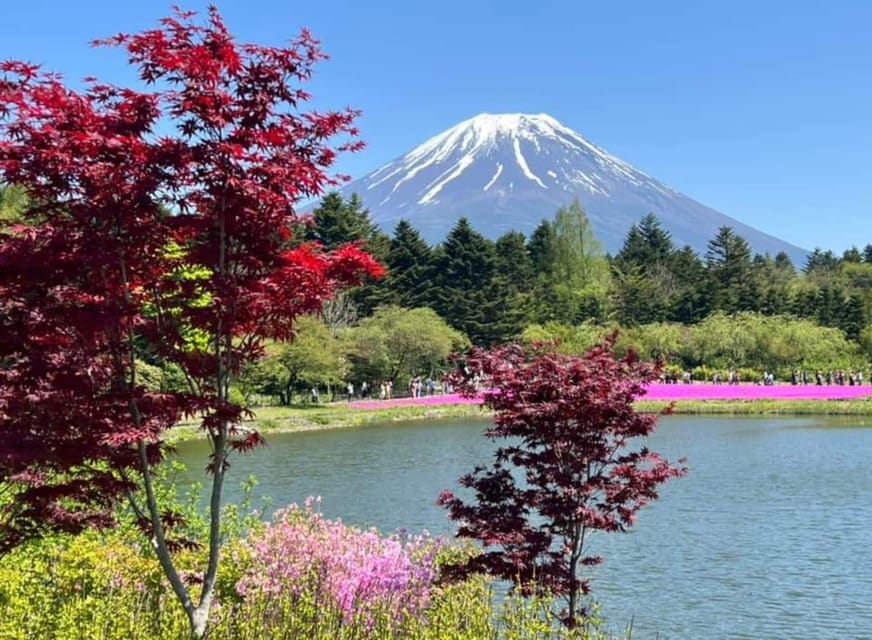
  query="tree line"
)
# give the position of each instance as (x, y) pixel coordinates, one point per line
(729, 308)
(492, 291)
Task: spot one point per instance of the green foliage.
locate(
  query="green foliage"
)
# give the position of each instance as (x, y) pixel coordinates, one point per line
(411, 270)
(569, 339)
(13, 204)
(751, 341)
(579, 261)
(866, 341)
(574, 273)
(314, 357)
(515, 278)
(646, 282)
(337, 221)
(640, 297)
(821, 262)
(267, 377)
(691, 303)
(395, 344)
(105, 585)
(654, 341)
(728, 261)
(493, 291)
(468, 295)
(702, 373)
(773, 343)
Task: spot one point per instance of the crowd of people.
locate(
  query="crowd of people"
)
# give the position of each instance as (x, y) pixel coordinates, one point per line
(838, 377)
(417, 387)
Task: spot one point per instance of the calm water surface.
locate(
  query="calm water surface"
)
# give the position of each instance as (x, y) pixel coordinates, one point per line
(768, 536)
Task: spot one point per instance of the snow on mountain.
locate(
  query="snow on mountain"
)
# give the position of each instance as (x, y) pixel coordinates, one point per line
(509, 171)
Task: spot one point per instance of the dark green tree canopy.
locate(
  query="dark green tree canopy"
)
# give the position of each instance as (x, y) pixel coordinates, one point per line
(411, 268)
(821, 261)
(647, 246)
(467, 295)
(541, 248)
(337, 221)
(513, 262)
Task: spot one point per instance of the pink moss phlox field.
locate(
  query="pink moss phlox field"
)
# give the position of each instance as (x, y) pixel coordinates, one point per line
(660, 391)
(447, 398)
(361, 573)
(707, 391)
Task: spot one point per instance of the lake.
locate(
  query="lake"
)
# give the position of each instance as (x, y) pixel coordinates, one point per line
(768, 536)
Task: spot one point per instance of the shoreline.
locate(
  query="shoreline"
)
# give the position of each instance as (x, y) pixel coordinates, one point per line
(340, 415)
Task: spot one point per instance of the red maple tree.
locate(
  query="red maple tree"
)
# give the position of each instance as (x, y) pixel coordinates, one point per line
(158, 227)
(568, 467)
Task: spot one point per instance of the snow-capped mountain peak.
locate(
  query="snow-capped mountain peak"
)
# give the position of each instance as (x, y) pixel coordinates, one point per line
(487, 137)
(510, 170)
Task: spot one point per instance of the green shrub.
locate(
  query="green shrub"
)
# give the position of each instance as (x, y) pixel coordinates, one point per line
(108, 586)
(703, 374)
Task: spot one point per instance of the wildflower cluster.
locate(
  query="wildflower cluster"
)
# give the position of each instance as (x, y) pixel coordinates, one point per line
(359, 573)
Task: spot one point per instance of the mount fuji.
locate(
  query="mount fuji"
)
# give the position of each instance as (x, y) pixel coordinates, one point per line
(509, 171)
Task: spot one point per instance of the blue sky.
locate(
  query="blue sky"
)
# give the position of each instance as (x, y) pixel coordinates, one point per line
(758, 109)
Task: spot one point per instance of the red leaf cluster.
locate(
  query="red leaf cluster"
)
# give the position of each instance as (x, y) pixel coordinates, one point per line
(568, 464)
(136, 240)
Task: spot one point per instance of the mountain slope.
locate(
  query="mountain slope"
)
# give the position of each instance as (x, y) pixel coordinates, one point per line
(509, 171)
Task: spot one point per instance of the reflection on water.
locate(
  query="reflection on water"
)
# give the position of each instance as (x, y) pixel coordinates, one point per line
(768, 536)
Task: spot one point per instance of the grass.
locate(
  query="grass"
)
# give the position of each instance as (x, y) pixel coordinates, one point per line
(855, 407)
(275, 419)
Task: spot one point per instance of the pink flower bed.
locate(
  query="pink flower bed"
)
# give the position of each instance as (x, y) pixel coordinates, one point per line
(359, 573)
(658, 391)
(446, 398)
(703, 391)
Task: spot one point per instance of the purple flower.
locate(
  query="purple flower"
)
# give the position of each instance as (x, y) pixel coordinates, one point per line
(361, 574)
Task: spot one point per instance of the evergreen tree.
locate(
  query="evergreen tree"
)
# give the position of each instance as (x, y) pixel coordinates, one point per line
(337, 222)
(541, 247)
(784, 263)
(636, 297)
(515, 278)
(468, 296)
(853, 317)
(647, 245)
(634, 251)
(820, 261)
(728, 261)
(411, 270)
(772, 281)
(514, 262)
(867, 254)
(852, 255)
(828, 306)
(644, 283)
(542, 250)
(657, 241)
(691, 302)
(804, 303)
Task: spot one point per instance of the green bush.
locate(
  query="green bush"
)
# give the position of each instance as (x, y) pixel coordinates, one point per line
(108, 585)
(703, 374)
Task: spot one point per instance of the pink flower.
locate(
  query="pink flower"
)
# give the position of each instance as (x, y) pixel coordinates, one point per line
(362, 574)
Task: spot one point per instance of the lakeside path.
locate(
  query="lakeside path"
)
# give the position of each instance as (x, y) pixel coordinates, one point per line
(694, 399)
(669, 392)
